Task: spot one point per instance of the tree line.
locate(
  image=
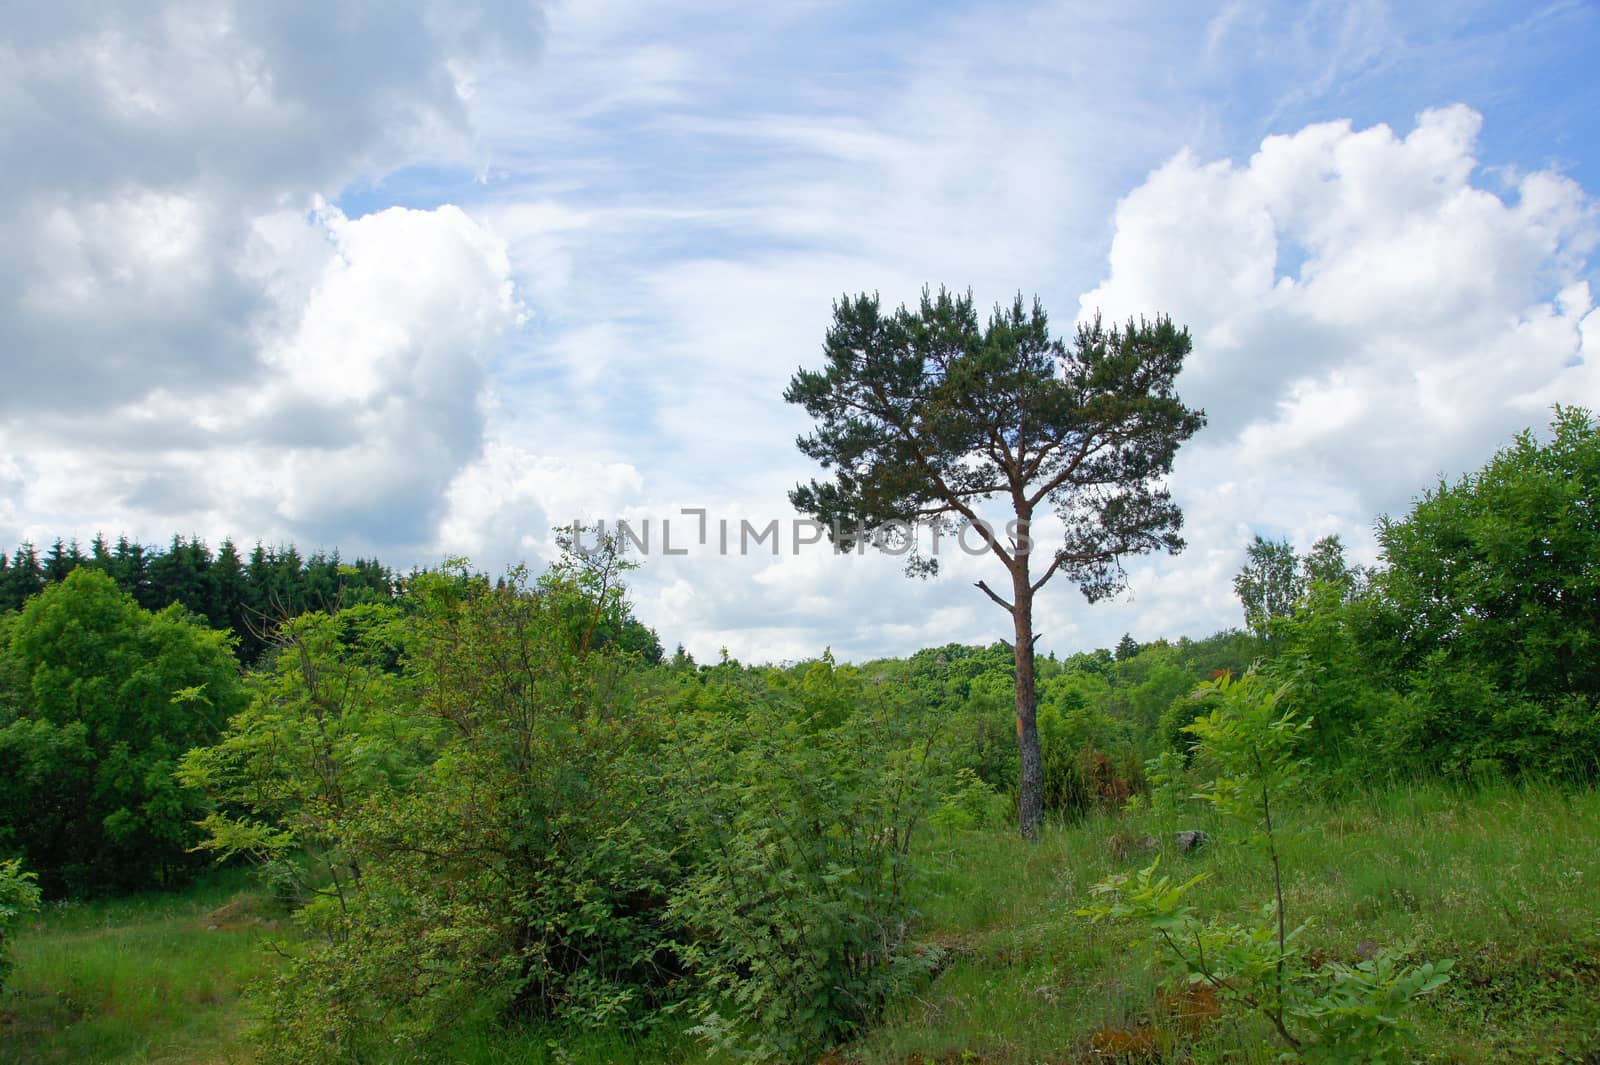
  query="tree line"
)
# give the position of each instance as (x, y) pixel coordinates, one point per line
(247, 596)
(229, 590)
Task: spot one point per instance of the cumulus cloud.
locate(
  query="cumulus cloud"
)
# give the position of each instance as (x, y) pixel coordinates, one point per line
(188, 336)
(370, 400)
(1343, 252)
(504, 506)
(1371, 311)
(144, 142)
(391, 352)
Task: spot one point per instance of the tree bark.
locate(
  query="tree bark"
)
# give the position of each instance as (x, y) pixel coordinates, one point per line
(1030, 791)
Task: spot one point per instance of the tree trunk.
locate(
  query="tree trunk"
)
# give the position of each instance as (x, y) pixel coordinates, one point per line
(1030, 801)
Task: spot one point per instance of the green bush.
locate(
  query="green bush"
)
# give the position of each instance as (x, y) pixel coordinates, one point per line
(521, 872)
(589, 842)
(796, 913)
(1454, 721)
(19, 896)
(103, 700)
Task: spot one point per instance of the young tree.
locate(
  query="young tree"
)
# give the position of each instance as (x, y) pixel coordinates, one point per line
(1269, 583)
(926, 415)
(1325, 563)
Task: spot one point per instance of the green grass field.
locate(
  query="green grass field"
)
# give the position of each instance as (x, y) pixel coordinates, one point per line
(155, 978)
(1504, 881)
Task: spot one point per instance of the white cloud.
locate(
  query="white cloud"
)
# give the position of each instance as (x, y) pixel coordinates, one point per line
(145, 144)
(1425, 321)
(182, 343)
(503, 507)
(371, 401)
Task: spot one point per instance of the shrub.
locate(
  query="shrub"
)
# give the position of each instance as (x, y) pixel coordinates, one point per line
(590, 844)
(19, 896)
(521, 873)
(796, 912)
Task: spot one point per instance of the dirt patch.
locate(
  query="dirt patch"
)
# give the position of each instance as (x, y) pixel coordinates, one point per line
(241, 913)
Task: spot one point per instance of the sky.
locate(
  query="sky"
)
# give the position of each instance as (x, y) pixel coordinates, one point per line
(427, 279)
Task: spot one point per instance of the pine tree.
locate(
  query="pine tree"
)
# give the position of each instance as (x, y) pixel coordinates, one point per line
(927, 415)
(24, 579)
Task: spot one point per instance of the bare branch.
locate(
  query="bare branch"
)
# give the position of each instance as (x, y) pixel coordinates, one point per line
(1061, 556)
(990, 593)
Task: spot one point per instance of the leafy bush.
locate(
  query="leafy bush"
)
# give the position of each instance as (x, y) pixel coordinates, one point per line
(1488, 609)
(527, 826)
(19, 895)
(520, 872)
(968, 803)
(796, 915)
(320, 736)
(1456, 722)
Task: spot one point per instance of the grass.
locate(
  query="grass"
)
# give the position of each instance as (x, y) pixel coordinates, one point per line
(1505, 881)
(153, 978)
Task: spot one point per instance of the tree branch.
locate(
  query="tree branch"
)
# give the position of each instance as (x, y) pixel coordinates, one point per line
(1066, 471)
(990, 593)
(955, 499)
(1051, 572)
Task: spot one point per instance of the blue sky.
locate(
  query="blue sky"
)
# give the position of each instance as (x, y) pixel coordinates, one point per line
(432, 280)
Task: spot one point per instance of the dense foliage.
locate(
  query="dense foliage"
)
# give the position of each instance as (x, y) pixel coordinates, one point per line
(98, 700)
(249, 596)
(1469, 649)
(512, 819)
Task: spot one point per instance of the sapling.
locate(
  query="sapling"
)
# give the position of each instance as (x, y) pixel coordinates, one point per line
(1318, 1011)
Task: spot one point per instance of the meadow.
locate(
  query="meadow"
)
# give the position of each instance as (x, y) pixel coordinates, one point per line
(1499, 878)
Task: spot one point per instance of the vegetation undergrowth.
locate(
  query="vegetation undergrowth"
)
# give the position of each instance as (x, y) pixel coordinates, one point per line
(1494, 877)
(492, 826)
(1498, 877)
(1320, 1008)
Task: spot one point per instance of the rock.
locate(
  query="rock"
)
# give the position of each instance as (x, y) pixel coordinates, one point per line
(1192, 840)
